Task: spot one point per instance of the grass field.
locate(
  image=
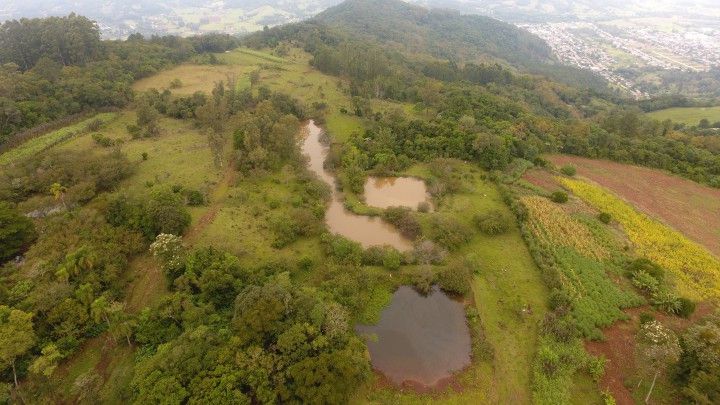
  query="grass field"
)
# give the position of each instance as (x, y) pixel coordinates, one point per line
(687, 115)
(691, 208)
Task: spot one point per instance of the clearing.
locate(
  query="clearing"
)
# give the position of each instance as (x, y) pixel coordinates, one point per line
(687, 115)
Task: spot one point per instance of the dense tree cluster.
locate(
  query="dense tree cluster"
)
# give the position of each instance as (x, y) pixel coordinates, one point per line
(244, 335)
(57, 66)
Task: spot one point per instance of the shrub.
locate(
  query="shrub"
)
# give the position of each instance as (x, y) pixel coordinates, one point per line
(341, 249)
(424, 206)
(560, 301)
(144, 156)
(456, 278)
(686, 307)
(195, 198)
(646, 317)
(493, 222)
(596, 367)
(392, 259)
(16, 232)
(559, 197)
(427, 252)
(422, 279)
(102, 140)
(604, 217)
(568, 170)
(645, 282)
(176, 83)
(448, 232)
(647, 266)
(403, 219)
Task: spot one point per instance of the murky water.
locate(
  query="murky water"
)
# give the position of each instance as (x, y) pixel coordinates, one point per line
(384, 192)
(419, 339)
(368, 231)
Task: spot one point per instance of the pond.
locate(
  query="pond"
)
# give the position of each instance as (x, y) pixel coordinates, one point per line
(384, 192)
(368, 231)
(419, 339)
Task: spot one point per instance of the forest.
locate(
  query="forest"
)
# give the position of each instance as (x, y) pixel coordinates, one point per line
(171, 245)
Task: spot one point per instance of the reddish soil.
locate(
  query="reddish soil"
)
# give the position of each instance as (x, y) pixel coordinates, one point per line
(541, 178)
(689, 207)
(619, 347)
(451, 383)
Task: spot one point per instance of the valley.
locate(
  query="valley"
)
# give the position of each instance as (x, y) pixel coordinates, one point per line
(369, 207)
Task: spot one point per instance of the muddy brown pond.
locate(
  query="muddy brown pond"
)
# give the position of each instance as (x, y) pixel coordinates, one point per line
(368, 231)
(384, 192)
(419, 339)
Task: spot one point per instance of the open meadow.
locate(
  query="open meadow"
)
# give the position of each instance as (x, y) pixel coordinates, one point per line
(687, 115)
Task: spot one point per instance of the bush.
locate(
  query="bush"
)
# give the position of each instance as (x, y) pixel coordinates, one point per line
(448, 232)
(195, 198)
(493, 222)
(646, 317)
(423, 206)
(144, 156)
(568, 170)
(686, 307)
(604, 217)
(404, 220)
(456, 278)
(176, 83)
(423, 279)
(392, 259)
(16, 232)
(560, 301)
(647, 266)
(559, 197)
(102, 140)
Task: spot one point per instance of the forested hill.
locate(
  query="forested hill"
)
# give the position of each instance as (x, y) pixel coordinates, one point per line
(442, 33)
(450, 35)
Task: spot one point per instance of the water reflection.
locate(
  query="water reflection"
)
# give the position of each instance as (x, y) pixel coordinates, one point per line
(421, 339)
(368, 231)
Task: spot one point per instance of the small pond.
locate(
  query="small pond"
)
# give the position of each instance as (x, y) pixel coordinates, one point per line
(384, 192)
(419, 339)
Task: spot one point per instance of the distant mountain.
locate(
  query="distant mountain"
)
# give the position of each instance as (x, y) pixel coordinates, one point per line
(441, 33)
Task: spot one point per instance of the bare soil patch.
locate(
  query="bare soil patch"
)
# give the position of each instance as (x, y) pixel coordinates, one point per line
(689, 207)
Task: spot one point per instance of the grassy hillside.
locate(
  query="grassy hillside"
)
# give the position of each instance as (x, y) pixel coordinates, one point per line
(687, 115)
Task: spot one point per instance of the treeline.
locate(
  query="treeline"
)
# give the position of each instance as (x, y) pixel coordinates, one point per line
(625, 135)
(54, 67)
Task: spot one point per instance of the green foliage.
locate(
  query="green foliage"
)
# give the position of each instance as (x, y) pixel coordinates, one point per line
(698, 369)
(164, 212)
(559, 197)
(16, 232)
(16, 336)
(423, 278)
(456, 278)
(604, 217)
(82, 174)
(568, 170)
(403, 219)
(449, 232)
(341, 249)
(493, 222)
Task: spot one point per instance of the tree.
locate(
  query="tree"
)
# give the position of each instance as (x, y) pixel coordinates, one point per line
(16, 336)
(658, 348)
(58, 191)
(45, 364)
(16, 232)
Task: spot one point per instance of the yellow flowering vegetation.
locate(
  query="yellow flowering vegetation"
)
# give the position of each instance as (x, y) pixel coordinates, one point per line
(550, 222)
(695, 269)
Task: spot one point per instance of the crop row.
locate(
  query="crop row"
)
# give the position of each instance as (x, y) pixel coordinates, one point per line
(695, 269)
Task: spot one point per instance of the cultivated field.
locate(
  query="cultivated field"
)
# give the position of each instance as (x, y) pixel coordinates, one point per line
(691, 208)
(688, 115)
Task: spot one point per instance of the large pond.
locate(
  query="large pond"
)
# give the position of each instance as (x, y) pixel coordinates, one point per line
(419, 339)
(369, 231)
(384, 192)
